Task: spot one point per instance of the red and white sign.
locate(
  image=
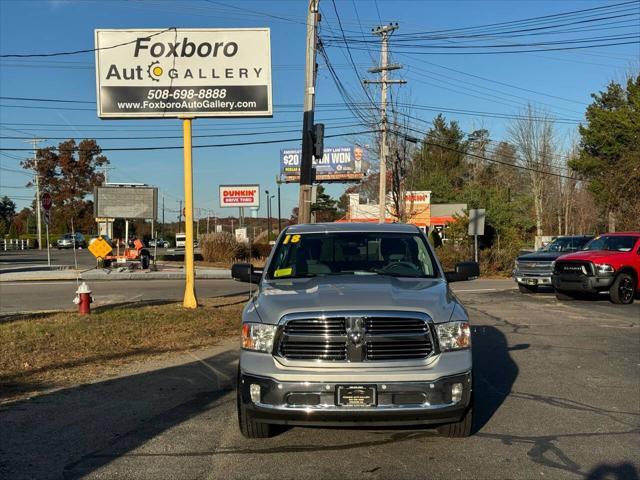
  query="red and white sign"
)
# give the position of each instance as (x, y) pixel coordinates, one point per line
(239, 196)
(46, 200)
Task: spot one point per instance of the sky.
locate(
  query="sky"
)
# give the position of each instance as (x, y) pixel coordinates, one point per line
(558, 82)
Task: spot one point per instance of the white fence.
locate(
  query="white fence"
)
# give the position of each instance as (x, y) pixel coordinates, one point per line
(14, 244)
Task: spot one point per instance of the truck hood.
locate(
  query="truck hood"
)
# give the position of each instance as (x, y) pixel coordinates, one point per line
(354, 292)
(540, 256)
(595, 256)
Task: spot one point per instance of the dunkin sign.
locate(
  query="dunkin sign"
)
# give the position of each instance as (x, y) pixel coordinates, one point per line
(239, 196)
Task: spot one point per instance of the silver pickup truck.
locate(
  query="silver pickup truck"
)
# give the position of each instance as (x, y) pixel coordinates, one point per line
(354, 324)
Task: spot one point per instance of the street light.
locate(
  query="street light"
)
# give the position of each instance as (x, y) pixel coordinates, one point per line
(279, 181)
(268, 216)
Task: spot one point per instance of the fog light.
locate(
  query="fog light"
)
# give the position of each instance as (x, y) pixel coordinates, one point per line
(254, 391)
(456, 392)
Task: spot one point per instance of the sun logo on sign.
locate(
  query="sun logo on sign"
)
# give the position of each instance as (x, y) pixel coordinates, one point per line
(154, 70)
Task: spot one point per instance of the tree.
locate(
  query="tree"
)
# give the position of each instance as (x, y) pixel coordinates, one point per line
(7, 210)
(325, 207)
(439, 163)
(69, 174)
(610, 152)
(533, 135)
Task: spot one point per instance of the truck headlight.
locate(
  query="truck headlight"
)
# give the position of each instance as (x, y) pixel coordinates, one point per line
(454, 335)
(604, 269)
(258, 336)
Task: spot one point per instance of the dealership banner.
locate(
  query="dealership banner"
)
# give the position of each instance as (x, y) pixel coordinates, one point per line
(155, 73)
(337, 164)
(239, 196)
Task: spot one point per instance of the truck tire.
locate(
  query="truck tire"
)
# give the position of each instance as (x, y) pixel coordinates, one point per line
(564, 296)
(248, 426)
(623, 289)
(144, 261)
(527, 288)
(459, 429)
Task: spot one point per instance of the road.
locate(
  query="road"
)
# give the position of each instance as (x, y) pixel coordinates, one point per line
(557, 396)
(41, 296)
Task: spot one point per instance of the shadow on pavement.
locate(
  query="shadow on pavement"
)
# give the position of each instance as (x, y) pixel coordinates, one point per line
(69, 433)
(623, 471)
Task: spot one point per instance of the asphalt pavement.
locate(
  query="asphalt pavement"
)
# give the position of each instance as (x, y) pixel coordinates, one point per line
(31, 258)
(557, 396)
(21, 297)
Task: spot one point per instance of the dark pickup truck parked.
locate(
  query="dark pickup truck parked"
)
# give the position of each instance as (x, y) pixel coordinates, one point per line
(535, 269)
(609, 263)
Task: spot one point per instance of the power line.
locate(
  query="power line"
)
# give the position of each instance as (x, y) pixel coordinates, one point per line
(76, 52)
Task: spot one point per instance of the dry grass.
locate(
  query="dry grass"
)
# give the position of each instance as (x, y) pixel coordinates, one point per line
(57, 350)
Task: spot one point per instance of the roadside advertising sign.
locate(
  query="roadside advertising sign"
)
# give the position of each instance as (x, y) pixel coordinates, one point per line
(239, 196)
(46, 201)
(125, 202)
(338, 164)
(156, 73)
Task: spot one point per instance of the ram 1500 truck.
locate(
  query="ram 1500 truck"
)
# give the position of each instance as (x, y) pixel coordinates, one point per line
(354, 324)
(533, 270)
(608, 263)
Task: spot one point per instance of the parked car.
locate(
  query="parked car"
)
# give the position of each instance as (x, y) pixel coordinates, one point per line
(608, 263)
(535, 269)
(354, 324)
(67, 241)
(159, 242)
(181, 240)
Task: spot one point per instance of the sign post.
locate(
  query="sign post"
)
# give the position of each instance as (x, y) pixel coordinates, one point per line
(46, 202)
(185, 74)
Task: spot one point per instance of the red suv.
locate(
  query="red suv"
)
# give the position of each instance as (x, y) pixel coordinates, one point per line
(610, 262)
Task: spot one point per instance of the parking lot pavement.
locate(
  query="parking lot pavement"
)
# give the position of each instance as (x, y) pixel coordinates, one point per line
(557, 396)
(31, 258)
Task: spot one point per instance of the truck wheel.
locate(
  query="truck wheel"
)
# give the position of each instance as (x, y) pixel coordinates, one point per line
(248, 426)
(144, 262)
(564, 296)
(623, 289)
(527, 288)
(459, 429)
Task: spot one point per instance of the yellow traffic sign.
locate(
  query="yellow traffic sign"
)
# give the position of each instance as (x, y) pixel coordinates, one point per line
(100, 248)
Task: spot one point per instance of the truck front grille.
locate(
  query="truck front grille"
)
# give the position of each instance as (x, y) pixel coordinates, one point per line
(355, 337)
(575, 268)
(532, 267)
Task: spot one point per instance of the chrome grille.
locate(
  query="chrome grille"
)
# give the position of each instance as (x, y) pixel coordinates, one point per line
(534, 267)
(381, 336)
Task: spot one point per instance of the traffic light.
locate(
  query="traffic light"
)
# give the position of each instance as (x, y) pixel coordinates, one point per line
(318, 140)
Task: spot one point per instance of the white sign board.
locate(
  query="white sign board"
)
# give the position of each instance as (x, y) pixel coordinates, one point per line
(241, 235)
(155, 73)
(125, 202)
(239, 196)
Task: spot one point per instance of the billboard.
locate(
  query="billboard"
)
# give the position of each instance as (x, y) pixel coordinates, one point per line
(338, 164)
(156, 73)
(239, 196)
(125, 202)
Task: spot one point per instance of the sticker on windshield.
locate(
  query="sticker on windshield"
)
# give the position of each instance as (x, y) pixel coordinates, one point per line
(295, 238)
(283, 272)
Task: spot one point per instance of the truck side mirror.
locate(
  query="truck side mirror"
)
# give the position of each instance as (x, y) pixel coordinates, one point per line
(463, 271)
(244, 272)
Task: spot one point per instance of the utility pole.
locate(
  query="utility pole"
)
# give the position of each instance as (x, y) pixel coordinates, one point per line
(162, 228)
(311, 70)
(34, 142)
(384, 31)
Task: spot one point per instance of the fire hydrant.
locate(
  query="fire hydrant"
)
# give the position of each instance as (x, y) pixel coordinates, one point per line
(83, 299)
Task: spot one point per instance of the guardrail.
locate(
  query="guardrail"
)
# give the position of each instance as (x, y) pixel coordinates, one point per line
(14, 244)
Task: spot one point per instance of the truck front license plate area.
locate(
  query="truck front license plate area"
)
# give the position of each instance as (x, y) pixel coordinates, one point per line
(356, 396)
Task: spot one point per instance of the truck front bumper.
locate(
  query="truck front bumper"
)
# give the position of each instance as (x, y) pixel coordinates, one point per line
(531, 279)
(582, 283)
(403, 396)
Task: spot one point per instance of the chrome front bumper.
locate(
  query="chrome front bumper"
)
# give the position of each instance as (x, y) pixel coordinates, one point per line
(398, 403)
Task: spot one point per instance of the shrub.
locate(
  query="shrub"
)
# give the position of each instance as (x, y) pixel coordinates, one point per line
(219, 247)
(260, 250)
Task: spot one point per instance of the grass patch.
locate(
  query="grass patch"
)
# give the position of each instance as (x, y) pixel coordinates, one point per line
(61, 349)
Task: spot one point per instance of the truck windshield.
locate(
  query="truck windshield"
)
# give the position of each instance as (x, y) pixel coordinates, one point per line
(615, 243)
(566, 244)
(352, 253)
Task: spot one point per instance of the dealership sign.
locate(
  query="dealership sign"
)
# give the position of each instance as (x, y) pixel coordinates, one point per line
(239, 196)
(337, 164)
(155, 73)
